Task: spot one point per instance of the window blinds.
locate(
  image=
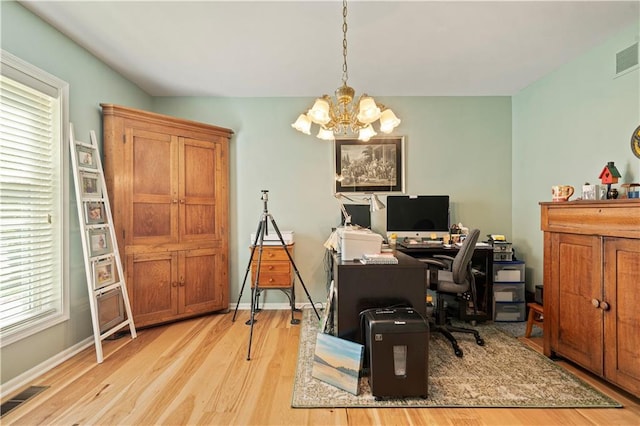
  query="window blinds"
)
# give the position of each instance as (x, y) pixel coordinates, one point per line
(30, 207)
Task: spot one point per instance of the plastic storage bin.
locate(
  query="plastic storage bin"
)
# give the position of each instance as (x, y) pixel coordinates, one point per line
(509, 292)
(509, 312)
(508, 271)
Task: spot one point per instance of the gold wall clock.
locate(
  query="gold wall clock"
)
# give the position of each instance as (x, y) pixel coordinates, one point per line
(635, 142)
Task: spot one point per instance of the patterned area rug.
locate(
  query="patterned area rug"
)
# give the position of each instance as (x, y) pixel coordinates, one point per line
(503, 373)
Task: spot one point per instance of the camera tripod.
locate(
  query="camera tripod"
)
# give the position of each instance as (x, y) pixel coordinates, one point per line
(258, 243)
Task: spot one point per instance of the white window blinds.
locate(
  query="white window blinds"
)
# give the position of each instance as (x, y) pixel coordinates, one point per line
(32, 289)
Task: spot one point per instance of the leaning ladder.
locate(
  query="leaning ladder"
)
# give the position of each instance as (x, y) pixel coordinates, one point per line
(108, 298)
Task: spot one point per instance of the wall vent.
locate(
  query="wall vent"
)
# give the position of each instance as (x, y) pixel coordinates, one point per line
(20, 398)
(627, 59)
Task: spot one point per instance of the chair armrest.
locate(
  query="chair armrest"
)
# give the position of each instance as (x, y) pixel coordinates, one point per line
(435, 262)
(443, 256)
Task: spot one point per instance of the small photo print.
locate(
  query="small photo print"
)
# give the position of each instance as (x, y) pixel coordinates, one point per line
(90, 185)
(94, 212)
(86, 157)
(99, 241)
(104, 273)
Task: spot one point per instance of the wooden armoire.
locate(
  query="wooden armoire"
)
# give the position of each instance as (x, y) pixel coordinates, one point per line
(168, 179)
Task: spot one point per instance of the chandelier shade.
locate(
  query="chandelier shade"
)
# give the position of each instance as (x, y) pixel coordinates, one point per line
(342, 116)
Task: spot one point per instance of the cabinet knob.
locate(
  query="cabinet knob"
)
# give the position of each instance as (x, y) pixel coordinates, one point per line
(174, 201)
(174, 284)
(604, 306)
(270, 267)
(271, 280)
(595, 303)
(182, 201)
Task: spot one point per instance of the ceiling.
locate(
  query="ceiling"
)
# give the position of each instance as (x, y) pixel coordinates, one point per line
(294, 48)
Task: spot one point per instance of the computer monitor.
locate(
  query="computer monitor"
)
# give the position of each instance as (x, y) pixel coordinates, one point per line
(360, 215)
(417, 216)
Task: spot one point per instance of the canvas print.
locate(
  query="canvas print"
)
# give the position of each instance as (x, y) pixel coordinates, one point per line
(338, 362)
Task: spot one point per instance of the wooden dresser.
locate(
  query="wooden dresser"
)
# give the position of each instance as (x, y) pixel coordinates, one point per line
(168, 179)
(275, 268)
(592, 287)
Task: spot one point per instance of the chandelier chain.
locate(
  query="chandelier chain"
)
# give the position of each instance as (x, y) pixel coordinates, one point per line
(345, 74)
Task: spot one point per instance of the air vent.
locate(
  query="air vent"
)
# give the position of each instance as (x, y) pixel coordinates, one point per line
(627, 59)
(20, 398)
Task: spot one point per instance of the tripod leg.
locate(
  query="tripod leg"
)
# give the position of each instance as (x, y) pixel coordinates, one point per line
(295, 268)
(246, 273)
(255, 291)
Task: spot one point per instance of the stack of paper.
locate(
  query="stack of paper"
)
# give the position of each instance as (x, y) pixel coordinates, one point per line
(381, 258)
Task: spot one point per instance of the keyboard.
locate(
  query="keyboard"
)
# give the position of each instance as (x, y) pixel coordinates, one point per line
(422, 245)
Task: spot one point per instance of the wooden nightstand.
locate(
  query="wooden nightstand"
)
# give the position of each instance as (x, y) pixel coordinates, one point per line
(276, 272)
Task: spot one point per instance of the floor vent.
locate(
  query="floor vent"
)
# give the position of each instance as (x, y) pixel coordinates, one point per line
(20, 398)
(627, 59)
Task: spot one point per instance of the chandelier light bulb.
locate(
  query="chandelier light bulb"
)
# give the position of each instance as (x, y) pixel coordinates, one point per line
(302, 124)
(388, 121)
(366, 133)
(326, 134)
(368, 111)
(319, 113)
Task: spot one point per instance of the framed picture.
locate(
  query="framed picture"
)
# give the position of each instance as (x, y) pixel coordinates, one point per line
(90, 185)
(94, 212)
(86, 157)
(110, 309)
(104, 273)
(373, 166)
(99, 241)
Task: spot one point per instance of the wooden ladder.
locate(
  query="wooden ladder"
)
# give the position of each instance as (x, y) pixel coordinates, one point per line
(108, 298)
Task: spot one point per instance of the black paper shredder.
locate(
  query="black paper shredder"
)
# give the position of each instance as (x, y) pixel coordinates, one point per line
(397, 343)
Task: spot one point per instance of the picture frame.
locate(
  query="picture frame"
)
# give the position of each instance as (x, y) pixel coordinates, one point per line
(99, 240)
(338, 362)
(367, 167)
(90, 185)
(104, 273)
(110, 309)
(94, 213)
(86, 157)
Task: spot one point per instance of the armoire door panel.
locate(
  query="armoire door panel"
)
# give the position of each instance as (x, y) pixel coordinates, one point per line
(580, 323)
(622, 321)
(154, 187)
(202, 281)
(153, 293)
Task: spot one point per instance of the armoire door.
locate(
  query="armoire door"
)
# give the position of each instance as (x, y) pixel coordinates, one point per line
(202, 281)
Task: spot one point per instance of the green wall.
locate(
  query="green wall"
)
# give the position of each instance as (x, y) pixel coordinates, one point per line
(90, 82)
(566, 127)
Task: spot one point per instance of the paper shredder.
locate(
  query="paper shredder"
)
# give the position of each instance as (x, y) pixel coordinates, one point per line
(396, 342)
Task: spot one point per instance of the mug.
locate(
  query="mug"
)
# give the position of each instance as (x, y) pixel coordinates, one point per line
(561, 192)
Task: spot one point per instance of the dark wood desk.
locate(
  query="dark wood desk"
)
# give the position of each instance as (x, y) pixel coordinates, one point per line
(482, 261)
(360, 287)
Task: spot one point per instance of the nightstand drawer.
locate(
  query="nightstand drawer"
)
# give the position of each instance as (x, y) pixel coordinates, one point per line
(273, 253)
(273, 279)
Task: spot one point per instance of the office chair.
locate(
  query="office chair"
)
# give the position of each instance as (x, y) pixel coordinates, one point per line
(454, 277)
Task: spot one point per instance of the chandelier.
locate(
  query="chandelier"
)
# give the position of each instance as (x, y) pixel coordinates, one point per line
(340, 117)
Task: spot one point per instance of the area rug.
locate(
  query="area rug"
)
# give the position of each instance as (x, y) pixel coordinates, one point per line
(502, 373)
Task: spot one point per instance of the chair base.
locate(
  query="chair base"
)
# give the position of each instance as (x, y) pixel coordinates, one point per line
(446, 331)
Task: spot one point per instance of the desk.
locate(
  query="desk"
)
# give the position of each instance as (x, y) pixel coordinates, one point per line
(482, 261)
(359, 287)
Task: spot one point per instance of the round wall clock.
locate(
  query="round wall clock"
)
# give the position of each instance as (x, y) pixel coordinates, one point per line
(635, 142)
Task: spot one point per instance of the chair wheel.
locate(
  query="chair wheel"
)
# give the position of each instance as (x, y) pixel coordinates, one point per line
(480, 341)
(458, 352)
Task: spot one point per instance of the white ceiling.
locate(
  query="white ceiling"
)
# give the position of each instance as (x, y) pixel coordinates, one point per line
(294, 48)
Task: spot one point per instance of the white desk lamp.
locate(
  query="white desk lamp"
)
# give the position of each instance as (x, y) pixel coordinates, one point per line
(374, 205)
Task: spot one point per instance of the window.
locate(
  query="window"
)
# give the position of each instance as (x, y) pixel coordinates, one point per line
(33, 194)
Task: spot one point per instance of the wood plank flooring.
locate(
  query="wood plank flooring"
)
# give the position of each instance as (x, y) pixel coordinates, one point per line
(195, 372)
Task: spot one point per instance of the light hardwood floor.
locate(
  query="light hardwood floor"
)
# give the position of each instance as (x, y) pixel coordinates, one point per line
(196, 372)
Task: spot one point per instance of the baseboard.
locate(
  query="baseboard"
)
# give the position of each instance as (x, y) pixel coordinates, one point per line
(28, 376)
(281, 306)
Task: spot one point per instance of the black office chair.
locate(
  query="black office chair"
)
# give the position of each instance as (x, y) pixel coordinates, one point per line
(454, 277)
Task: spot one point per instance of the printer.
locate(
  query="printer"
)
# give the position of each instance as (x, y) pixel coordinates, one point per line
(353, 243)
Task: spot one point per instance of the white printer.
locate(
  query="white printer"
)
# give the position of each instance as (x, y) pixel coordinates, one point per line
(354, 243)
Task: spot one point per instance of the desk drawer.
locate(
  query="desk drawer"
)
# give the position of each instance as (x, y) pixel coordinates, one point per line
(273, 253)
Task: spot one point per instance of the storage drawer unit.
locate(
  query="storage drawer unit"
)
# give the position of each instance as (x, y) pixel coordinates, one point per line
(275, 267)
(509, 291)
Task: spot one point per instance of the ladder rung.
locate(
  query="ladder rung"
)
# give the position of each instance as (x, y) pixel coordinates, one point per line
(112, 330)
